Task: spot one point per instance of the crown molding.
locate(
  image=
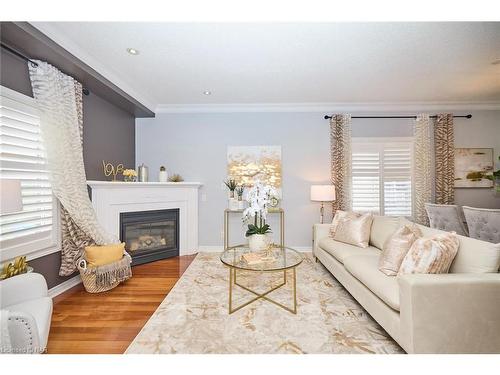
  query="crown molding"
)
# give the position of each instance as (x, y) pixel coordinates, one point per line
(329, 107)
(51, 32)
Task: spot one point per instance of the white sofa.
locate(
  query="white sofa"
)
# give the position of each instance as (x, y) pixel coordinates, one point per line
(25, 303)
(458, 312)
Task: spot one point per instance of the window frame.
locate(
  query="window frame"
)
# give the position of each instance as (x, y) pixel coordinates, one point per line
(39, 247)
(380, 141)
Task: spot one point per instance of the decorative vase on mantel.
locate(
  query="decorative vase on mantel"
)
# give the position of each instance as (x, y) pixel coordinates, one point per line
(258, 242)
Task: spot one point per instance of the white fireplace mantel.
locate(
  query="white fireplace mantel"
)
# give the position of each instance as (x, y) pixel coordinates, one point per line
(112, 198)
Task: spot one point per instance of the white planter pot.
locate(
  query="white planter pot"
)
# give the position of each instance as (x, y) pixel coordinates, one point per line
(233, 204)
(163, 176)
(258, 242)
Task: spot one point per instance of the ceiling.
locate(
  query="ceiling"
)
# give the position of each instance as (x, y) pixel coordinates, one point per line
(303, 63)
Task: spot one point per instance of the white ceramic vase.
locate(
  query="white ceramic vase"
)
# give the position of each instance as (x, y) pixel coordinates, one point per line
(258, 242)
(163, 176)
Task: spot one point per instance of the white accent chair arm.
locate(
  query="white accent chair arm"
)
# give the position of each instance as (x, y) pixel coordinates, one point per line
(23, 334)
(320, 231)
(22, 288)
(450, 313)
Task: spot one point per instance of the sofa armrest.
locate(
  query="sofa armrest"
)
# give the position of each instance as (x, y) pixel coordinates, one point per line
(450, 313)
(23, 334)
(22, 288)
(320, 231)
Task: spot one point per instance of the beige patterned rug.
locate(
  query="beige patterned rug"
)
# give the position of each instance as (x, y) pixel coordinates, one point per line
(193, 318)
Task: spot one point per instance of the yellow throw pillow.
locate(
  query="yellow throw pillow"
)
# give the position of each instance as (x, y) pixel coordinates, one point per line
(101, 255)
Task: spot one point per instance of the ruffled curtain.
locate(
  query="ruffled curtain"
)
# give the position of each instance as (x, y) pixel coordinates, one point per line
(340, 160)
(444, 149)
(59, 99)
(422, 167)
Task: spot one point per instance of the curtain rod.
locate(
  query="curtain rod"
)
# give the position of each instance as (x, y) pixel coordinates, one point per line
(33, 63)
(412, 117)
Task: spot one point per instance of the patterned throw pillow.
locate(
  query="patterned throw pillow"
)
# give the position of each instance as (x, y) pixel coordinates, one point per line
(352, 228)
(396, 247)
(431, 254)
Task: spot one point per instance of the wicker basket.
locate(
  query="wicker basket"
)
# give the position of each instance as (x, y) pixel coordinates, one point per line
(88, 275)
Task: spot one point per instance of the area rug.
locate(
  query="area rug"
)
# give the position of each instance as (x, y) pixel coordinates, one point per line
(194, 317)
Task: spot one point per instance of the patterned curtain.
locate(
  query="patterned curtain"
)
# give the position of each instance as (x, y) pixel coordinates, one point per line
(444, 159)
(340, 162)
(59, 98)
(73, 239)
(422, 167)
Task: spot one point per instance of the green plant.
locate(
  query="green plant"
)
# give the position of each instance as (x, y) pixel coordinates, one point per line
(231, 184)
(175, 178)
(256, 229)
(239, 190)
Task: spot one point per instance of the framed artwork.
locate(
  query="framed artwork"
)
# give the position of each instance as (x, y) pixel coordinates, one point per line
(472, 167)
(247, 164)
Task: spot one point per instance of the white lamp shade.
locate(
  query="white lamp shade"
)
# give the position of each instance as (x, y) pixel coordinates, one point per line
(323, 193)
(11, 200)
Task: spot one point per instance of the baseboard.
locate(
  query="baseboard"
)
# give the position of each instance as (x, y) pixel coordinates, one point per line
(218, 248)
(64, 286)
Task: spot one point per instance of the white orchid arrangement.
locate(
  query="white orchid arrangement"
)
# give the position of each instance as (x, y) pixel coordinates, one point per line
(258, 198)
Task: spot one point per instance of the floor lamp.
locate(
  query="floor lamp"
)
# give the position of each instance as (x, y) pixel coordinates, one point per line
(322, 193)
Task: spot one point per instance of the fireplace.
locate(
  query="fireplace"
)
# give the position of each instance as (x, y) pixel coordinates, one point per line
(150, 235)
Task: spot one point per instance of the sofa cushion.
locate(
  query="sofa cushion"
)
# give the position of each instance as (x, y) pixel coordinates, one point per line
(382, 228)
(41, 310)
(474, 256)
(365, 269)
(341, 250)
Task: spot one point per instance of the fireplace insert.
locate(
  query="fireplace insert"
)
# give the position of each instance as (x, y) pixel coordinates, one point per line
(150, 235)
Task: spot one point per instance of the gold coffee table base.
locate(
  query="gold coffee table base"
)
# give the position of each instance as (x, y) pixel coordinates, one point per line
(232, 282)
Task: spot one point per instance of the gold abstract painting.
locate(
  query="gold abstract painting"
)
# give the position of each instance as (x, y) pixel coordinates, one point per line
(473, 167)
(248, 164)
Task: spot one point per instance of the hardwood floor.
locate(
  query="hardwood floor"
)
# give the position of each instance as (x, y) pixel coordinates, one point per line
(108, 322)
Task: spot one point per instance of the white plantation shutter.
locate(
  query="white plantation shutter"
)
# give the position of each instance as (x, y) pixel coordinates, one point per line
(366, 180)
(22, 158)
(397, 179)
(381, 176)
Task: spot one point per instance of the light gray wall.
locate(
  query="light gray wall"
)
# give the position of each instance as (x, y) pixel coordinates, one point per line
(195, 146)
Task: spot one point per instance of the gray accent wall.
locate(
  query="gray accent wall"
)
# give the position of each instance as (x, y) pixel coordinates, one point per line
(195, 146)
(108, 133)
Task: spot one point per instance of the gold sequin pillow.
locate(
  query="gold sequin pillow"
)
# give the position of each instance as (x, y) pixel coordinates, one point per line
(353, 229)
(431, 254)
(396, 247)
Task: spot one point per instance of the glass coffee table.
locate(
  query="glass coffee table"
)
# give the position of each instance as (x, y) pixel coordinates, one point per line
(279, 259)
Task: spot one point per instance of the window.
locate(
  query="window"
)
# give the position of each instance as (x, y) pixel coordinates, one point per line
(22, 158)
(381, 176)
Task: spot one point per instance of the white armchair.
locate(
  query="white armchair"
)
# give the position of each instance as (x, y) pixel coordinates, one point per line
(26, 311)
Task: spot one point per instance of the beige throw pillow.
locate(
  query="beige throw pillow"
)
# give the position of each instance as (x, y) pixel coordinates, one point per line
(396, 247)
(431, 254)
(339, 215)
(353, 229)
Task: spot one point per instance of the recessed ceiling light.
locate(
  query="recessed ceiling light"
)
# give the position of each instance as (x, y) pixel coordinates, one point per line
(207, 92)
(496, 61)
(133, 51)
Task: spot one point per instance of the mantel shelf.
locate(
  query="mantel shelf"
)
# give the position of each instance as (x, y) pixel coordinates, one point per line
(122, 184)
